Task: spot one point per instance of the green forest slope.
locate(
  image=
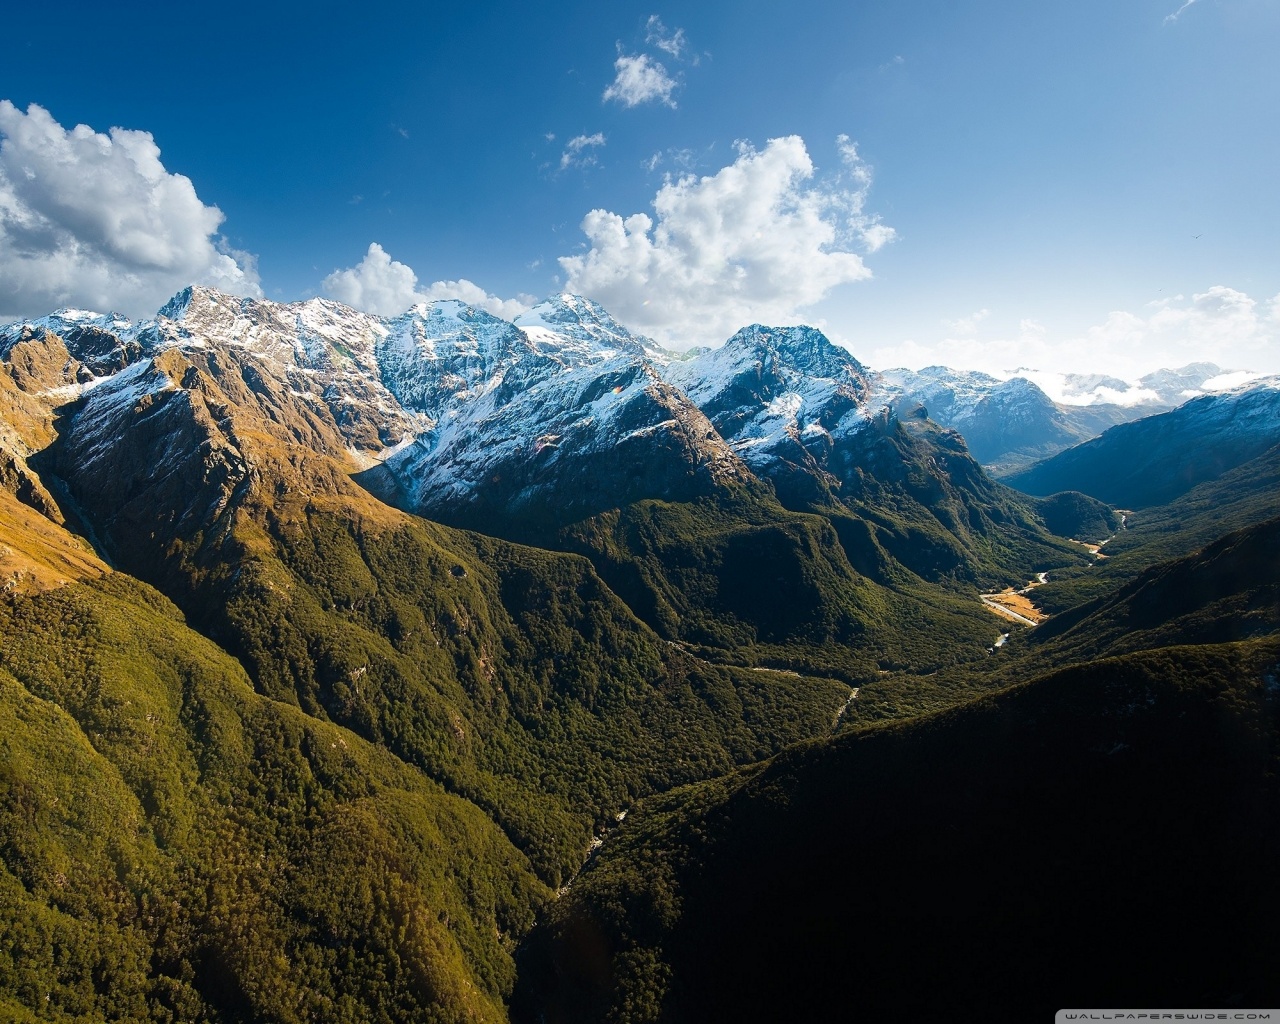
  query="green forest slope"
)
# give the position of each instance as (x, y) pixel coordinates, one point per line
(1092, 837)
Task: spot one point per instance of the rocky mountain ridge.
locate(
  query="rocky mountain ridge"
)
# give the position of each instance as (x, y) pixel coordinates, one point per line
(444, 397)
(1012, 422)
(522, 428)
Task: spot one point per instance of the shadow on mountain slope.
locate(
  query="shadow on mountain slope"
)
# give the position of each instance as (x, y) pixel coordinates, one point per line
(1104, 835)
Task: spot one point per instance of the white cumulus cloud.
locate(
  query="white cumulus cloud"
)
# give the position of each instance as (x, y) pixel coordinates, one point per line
(640, 79)
(757, 241)
(577, 151)
(94, 220)
(378, 284)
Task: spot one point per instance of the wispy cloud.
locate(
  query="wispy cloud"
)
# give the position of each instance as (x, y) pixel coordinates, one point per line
(968, 325)
(577, 151)
(1174, 15)
(850, 191)
(682, 159)
(640, 79)
(673, 43)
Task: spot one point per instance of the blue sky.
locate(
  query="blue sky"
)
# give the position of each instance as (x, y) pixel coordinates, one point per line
(1075, 186)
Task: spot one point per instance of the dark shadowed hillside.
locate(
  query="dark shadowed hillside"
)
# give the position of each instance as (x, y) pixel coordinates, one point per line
(1088, 838)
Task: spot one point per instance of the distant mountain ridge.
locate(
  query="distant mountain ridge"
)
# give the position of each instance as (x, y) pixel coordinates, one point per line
(392, 380)
(1011, 423)
(1155, 460)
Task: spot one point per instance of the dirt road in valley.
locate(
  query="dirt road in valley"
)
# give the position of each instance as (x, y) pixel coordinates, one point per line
(1012, 603)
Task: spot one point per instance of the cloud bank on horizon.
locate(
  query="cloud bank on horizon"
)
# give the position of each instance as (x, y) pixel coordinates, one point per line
(95, 220)
(1221, 325)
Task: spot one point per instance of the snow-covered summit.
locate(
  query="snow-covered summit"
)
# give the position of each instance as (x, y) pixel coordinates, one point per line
(314, 334)
(64, 323)
(575, 330)
(439, 354)
(781, 396)
(803, 350)
(457, 406)
(761, 365)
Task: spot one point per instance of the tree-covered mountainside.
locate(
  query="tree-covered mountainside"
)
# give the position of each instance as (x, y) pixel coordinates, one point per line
(277, 748)
(1137, 599)
(1239, 498)
(512, 675)
(1086, 838)
(1078, 516)
(177, 847)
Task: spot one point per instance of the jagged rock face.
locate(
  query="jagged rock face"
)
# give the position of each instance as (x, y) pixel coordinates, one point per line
(320, 350)
(517, 429)
(538, 423)
(38, 377)
(441, 356)
(41, 365)
(807, 416)
(102, 344)
(170, 450)
(785, 398)
(150, 458)
(455, 413)
(571, 443)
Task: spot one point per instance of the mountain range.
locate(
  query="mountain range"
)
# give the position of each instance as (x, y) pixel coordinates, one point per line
(1011, 423)
(335, 644)
(1166, 455)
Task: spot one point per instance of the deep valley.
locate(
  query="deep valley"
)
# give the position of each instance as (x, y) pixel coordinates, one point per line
(449, 668)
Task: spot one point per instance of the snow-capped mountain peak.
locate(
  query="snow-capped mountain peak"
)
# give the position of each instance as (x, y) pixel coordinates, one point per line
(759, 365)
(800, 349)
(443, 352)
(65, 323)
(574, 330)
